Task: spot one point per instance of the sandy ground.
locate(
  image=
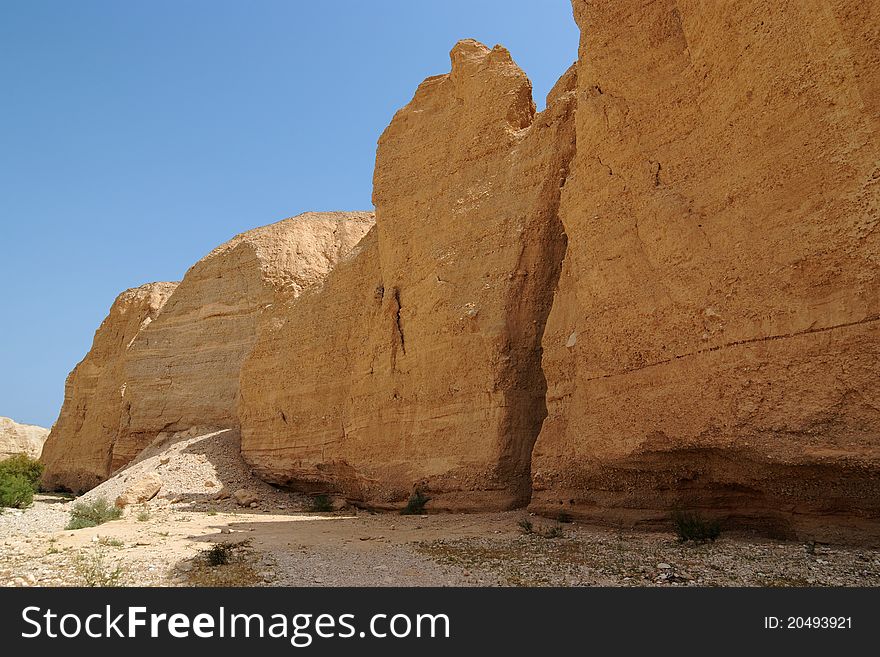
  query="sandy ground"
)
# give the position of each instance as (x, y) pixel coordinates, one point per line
(278, 542)
(363, 549)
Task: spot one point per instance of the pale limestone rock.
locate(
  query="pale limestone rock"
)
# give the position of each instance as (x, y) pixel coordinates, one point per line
(18, 438)
(142, 490)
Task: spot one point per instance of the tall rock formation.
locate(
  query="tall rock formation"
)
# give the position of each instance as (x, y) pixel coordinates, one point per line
(715, 340)
(183, 371)
(180, 370)
(417, 364)
(18, 438)
(78, 451)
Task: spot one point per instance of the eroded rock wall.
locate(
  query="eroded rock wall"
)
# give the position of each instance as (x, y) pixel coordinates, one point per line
(78, 452)
(715, 339)
(417, 364)
(183, 370)
(151, 372)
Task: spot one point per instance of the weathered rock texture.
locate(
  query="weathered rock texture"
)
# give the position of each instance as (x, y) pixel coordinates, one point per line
(715, 340)
(151, 372)
(417, 364)
(79, 449)
(183, 371)
(18, 438)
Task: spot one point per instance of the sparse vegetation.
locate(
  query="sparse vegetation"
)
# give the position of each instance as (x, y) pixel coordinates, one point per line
(92, 514)
(95, 569)
(416, 504)
(564, 518)
(555, 531)
(218, 554)
(690, 526)
(111, 542)
(321, 504)
(224, 564)
(19, 480)
(526, 526)
(143, 515)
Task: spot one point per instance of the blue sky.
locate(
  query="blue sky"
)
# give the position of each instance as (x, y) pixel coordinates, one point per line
(137, 136)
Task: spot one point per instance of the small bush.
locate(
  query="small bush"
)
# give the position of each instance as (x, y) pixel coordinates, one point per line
(143, 515)
(321, 504)
(19, 480)
(526, 526)
(24, 465)
(16, 491)
(92, 514)
(564, 518)
(554, 532)
(94, 569)
(416, 504)
(692, 527)
(218, 554)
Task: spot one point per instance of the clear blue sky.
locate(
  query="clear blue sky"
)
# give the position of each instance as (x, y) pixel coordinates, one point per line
(137, 136)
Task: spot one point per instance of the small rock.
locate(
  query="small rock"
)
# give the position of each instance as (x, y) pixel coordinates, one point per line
(209, 484)
(143, 490)
(253, 505)
(165, 460)
(244, 497)
(664, 566)
(225, 530)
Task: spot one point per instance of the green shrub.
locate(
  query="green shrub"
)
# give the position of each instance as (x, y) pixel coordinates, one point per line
(19, 480)
(15, 491)
(92, 514)
(95, 569)
(321, 504)
(416, 504)
(23, 465)
(692, 527)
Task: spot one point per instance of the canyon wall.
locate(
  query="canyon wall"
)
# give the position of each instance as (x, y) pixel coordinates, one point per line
(417, 364)
(78, 452)
(151, 372)
(715, 338)
(183, 371)
(669, 279)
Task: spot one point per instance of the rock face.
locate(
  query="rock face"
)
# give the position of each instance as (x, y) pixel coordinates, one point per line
(79, 449)
(715, 339)
(183, 371)
(417, 364)
(18, 438)
(151, 372)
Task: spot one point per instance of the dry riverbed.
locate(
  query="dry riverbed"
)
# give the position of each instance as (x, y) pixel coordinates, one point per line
(168, 545)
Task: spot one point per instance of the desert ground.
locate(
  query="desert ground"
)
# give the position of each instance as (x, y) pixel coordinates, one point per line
(277, 541)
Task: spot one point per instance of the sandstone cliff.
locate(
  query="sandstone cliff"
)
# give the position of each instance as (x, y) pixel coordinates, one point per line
(417, 365)
(178, 369)
(715, 340)
(18, 438)
(183, 371)
(78, 451)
